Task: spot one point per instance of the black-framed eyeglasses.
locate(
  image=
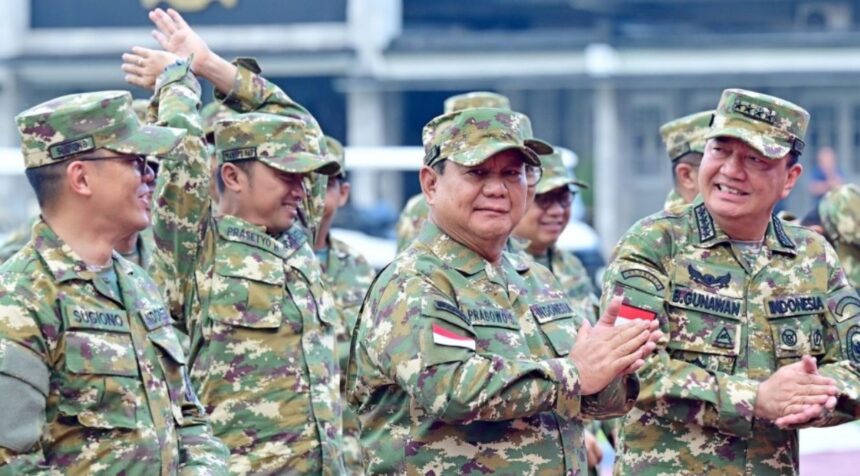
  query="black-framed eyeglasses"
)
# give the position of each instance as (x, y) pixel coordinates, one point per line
(533, 174)
(139, 162)
(564, 197)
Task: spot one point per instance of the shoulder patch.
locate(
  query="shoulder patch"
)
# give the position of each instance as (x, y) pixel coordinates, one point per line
(648, 276)
(852, 344)
(448, 307)
(705, 223)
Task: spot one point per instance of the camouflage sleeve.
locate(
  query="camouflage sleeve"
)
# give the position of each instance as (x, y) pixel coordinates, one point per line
(182, 203)
(713, 398)
(841, 360)
(200, 453)
(615, 400)
(411, 335)
(24, 386)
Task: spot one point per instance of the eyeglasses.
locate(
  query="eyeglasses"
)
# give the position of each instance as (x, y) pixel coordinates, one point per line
(563, 197)
(137, 161)
(533, 175)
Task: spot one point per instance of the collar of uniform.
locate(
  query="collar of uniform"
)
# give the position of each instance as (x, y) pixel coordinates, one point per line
(339, 247)
(63, 262)
(233, 228)
(293, 238)
(451, 252)
(519, 260)
(708, 233)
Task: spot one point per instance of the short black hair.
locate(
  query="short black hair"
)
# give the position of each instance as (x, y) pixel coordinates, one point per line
(692, 158)
(439, 167)
(46, 181)
(244, 165)
(793, 158)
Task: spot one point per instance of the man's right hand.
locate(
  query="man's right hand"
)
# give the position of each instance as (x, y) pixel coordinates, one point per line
(603, 352)
(795, 394)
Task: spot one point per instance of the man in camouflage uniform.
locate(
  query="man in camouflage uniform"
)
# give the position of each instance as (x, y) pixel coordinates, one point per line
(347, 276)
(262, 325)
(762, 330)
(415, 211)
(92, 372)
(684, 139)
(462, 362)
(137, 247)
(839, 211)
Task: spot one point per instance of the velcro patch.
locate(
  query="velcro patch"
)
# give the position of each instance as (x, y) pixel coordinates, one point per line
(155, 318)
(72, 147)
(96, 319)
(243, 153)
(492, 316)
(634, 273)
(442, 336)
(696, 300)
(794, 305)
(551, 311)
(450, 308)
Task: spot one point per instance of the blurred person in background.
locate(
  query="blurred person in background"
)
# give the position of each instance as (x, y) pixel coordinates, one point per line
(685, 144)
(826, 174)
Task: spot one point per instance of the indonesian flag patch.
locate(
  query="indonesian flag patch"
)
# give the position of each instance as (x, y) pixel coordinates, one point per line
(628, 313)
(443, 336)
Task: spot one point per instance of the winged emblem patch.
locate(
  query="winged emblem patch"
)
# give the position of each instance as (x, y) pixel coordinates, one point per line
(709, 280)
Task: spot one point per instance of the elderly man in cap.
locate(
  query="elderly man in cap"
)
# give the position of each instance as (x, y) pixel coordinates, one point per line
(684, 139)
(466, 359)
(92, 372)
(762, 330)
(261, 323)
(415, 211)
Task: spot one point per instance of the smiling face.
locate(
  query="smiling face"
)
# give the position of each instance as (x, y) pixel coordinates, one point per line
(271, 198)
(741, 186)
(478, 206)
(545, 220)
(122, 187)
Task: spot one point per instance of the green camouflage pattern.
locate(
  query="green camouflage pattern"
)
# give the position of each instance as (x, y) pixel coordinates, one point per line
(471, 136)
(347, 275)
(118, 400)
(674, 200)
(140, 108)
(277, 141)
(727, 326)
(335, 151)
(511, 405)
(261, 323)
(574, 280)
(686, 134)
(210, 115)
(476, 99)
(411, 218)
(771, 125)
(839, 210)
(555, 174)
(66, 126)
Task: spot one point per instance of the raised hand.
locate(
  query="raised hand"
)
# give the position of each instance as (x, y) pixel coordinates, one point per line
(175, 36)
(143, 65)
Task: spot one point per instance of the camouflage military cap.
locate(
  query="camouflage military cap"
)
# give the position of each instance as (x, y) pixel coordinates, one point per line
(334, 151)
(140, 107)
(471, 136)
(771, 125)
(211, 114)
(839, 210)
(686, 134)
(278, 141)
(476, 99)
(555, 174)
(63, 127)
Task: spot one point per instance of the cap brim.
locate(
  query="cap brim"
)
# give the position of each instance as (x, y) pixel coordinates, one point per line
(769, 147)
(539, 146)
(302, 164)
(147, 140)
(545, 186)
(478, 155)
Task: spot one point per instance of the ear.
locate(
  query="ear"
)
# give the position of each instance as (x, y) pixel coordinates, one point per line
(344, 194)
(685, 175)
(235, 179)
(78, 177)
(793, 174)
(429, 180)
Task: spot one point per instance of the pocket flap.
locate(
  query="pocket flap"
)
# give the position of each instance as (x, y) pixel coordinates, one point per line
(165, 338)
(237, 260)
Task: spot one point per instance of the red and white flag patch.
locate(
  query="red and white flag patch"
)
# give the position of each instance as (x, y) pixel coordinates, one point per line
(629, 313)
(443, 336)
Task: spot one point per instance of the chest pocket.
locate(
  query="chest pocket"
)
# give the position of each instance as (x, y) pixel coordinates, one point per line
(247, 287)
(796, 328)
(557, 322)
(101, 387)
(704, 309)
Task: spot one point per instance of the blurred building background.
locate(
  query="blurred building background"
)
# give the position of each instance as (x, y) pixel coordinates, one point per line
(597, 76)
